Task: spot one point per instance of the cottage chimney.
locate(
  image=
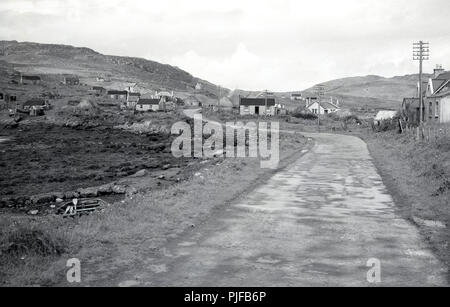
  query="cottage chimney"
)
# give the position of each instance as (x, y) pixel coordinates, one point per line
(437, 71)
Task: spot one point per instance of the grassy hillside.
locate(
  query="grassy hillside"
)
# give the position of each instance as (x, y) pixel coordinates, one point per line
(88, 64)
(372, 92)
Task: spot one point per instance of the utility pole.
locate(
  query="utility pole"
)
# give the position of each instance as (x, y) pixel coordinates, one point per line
(421, 52)
(220, 94)
(265, 95)
(319, 89)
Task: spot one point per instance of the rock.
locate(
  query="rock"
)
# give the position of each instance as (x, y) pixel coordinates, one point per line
(166, 167)
(131, 191)
(42, 198)
(33, 212)
(197, 174)
(88, 192)
(161, 177)
(141, 173)
(119, 189)
(59, 195)
(59, 200)
(53, 206)
(105, 189)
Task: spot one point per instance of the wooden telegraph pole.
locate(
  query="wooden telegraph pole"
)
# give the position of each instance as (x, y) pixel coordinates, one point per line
(421, 52)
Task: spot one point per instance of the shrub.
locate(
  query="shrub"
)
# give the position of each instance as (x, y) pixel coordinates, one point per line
(300, 113)
(24, 241)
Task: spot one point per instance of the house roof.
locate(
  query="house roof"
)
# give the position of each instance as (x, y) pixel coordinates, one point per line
(444, 76)
(387, 114)
(324, 104)
(149, 102)
(98, 88)
(114, 92)
(296, 95)
(135, 94)
(257, 102)
(437, 83)
(35, 102)
(442, 88)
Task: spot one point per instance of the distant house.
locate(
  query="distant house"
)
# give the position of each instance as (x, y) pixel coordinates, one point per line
(118, 95)
(164, 95)
(71, 80)
(257, 106)
(384, 115)
(35, 80)
(35, 103)
(145, 105)
(296, 96)
(192, 101)
(132, 100)
(325, 107)
(98, 90)
(280, 109)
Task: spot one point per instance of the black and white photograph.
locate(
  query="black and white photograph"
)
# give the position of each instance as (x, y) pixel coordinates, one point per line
(224, 149)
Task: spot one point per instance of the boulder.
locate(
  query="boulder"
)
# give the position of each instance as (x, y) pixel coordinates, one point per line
(119, 189)
(43, 198)
(105, 189)
(59, 195)
(33, 212)
(88, 192)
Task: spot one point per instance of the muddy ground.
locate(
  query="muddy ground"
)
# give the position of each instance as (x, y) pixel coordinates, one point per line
(42, 158)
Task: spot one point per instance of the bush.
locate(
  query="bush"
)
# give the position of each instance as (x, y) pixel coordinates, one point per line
(304, 115)
(23, 241)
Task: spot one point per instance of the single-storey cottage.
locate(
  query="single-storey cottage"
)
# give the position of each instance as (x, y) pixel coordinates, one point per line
(257, 106)
(146, 105)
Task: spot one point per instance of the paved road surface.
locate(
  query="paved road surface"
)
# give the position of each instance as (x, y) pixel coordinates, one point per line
(316, 223)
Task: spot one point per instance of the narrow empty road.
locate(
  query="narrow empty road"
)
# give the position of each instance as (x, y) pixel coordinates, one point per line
(316, 223)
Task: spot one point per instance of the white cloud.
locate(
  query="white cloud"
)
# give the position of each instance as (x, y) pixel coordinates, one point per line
(273, 44)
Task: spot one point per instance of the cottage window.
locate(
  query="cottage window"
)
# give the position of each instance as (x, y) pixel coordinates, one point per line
(430, 110)
(437, 109)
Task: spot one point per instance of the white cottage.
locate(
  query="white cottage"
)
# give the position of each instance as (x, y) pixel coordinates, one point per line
(325, 108)
(146, 105)
(257, 106)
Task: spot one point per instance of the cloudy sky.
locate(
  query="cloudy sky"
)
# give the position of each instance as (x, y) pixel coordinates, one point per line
(249, 44)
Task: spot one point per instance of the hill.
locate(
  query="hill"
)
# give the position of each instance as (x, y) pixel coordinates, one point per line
(88, 64)
(374, 92)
